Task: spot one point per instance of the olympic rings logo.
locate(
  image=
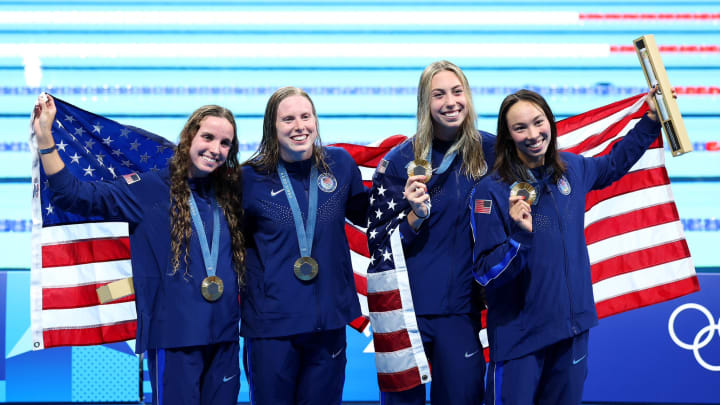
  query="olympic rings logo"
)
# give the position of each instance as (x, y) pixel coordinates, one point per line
(702, 338)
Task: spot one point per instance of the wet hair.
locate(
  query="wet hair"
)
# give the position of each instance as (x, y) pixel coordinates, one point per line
(267, 156)
(469, 144)
(227, 183)
(507, 162)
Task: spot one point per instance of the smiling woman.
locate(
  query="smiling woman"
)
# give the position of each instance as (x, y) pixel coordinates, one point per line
(300, 292)
(530, 251)
(187, 311)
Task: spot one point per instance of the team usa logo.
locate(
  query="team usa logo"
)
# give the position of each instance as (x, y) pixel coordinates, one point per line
(564, 186)
(327, 183)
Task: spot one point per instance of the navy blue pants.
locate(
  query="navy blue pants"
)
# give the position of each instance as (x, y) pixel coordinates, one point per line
(195, 375)
(554, 375)
(304, 369)
(456, 362)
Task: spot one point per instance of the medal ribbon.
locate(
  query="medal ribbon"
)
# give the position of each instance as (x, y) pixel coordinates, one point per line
(304, 234)
(209, 257)
(446, 162)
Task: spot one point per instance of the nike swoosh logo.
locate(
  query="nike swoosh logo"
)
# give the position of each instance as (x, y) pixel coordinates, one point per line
(468, 355)
(226, 379)
(334, 355)
(579, 360)
(274, 193)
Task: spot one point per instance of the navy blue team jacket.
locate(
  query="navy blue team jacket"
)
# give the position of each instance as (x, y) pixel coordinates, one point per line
(437, 255)
(538, 284)
(274, 302)
(171, 311)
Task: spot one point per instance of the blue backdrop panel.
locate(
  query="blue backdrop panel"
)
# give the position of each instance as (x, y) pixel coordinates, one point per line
(634, 358)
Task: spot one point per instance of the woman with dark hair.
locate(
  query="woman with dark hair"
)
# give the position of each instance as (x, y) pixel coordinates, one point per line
(187, 252)
(530, 252)
(300, 290)
(420, 199)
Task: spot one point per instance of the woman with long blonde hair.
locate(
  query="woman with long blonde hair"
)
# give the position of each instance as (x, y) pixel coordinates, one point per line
(187, 252)
(300, 291)
(421, 197)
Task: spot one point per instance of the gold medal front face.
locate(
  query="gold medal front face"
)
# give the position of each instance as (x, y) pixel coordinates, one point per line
(420, 167)
(524, 190)
(306, 268)
(212, 288)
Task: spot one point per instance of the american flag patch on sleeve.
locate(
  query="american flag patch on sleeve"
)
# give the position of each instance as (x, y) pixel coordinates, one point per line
(382, 166)
(483, 206)
(131, 178)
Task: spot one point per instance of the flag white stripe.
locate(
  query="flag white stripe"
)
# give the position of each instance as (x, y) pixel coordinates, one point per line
(635, 241)
(364, 310)
(651, 159)
(576, 137)
(68, 233)
(628, 202)
(643, 279)
(84, 274)
(88, 317)
(388, 321)
(383, 281)
(394, 362)
(367, 173)
(359, 263)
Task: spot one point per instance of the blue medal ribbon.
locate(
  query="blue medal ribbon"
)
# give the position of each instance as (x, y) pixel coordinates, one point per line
(304, 234)
(210, 257)
(446, 162)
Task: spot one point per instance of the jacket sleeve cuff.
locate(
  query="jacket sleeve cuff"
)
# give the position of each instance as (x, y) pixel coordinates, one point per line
(523, 237)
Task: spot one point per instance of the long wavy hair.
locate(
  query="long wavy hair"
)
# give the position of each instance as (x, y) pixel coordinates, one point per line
(469, 143)
(507, 162)
(227, 183)
(267, 156)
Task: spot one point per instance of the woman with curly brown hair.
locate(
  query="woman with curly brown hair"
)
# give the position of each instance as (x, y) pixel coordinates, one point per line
(187, 252)
(300, 291)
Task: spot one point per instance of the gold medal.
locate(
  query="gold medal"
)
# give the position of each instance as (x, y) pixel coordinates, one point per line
(306, 268)
(212, 288)
(420, 167)
(524, 190)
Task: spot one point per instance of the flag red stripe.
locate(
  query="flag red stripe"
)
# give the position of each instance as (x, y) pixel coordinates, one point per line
(640, 259)
(655, 145)
(400, 381)
(360, 283)
(647, 297)
(359, 323)
(75, 297)
(384, 301)
(391, 341)
(90, 336)
(573, 123)
(357, 240)
(634, 181)
(631, 221)
(86, 251)
(370, 156)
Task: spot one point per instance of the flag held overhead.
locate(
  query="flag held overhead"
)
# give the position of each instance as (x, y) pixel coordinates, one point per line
(667, 107)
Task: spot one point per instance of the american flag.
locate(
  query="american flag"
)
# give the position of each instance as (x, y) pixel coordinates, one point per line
(73, 255)
(638, 253)
(637, 248)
